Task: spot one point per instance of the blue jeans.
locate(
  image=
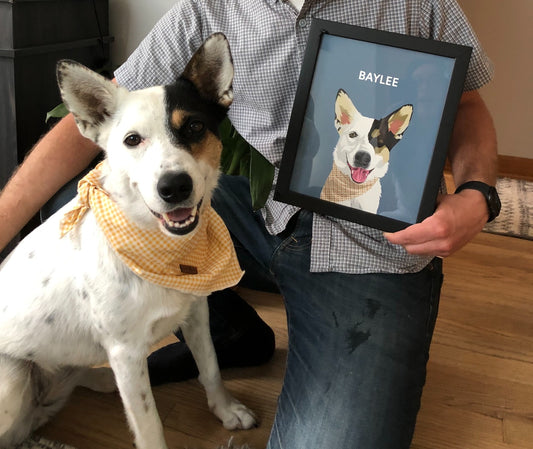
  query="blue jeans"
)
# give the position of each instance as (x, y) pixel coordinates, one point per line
(358, 344)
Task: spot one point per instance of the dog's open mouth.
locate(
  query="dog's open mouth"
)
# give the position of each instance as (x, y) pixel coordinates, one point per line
(181, 220)
(359, 174)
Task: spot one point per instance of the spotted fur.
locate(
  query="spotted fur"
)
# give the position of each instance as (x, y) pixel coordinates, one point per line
(70, 302)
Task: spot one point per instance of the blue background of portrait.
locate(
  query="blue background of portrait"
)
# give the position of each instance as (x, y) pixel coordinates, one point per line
(423, 82)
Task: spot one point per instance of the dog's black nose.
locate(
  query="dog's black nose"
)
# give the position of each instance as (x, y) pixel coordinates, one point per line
(362, 159)
(174, 187)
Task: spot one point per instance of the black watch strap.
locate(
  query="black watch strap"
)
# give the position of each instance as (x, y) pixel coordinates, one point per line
(490, 194)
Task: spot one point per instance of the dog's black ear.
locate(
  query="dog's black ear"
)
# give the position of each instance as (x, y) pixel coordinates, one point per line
(211, 70)
(90, 97)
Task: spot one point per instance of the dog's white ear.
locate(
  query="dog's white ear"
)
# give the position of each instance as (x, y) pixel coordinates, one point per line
(211, 70)
(399, 120)
(90, 97)
(345, 111)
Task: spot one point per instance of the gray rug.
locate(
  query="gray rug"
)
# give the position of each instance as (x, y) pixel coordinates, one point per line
(516, 216)
(36, 442)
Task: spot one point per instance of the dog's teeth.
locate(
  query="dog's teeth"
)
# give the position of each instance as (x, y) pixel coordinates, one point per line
(182, 224)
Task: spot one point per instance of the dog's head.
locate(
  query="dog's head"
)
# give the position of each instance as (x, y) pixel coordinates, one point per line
(161, 143)
(364, 145)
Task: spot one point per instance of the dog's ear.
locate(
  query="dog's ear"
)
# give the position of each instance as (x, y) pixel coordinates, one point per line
(345, 111)
(398, 121)
(211, 70)
(90, 97)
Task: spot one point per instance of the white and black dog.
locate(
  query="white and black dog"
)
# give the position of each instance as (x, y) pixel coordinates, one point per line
(361, 156)
(70, 303)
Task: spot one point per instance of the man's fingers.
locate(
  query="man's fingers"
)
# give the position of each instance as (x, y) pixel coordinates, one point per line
(427, 238)
(415, 234)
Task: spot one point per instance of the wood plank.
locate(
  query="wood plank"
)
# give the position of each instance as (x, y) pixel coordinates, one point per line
(481, 393)
(518, 430)
(479, 389)
(444, 427)
(510, 167)
(515, 167)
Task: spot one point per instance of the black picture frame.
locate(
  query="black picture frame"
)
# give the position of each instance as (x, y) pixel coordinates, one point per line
(404, 91)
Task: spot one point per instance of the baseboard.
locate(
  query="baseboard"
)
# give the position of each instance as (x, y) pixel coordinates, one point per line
(510, 167)
(515, 167)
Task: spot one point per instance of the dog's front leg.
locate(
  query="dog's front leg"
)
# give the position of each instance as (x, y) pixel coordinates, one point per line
(231, 412)
(131, 374)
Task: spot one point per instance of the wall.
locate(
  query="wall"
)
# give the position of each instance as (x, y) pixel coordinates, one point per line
(130, 21)
(503, 28)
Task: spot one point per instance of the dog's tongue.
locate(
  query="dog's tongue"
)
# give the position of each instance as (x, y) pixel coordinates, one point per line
(178, 215)
(359, 175)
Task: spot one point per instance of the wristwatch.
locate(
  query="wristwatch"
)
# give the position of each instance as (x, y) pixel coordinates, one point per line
(489, 192)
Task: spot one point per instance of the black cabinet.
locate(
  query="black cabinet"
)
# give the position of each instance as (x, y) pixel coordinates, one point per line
(34, 35)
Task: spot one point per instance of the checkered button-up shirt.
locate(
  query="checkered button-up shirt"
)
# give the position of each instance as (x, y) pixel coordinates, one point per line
(268, 39)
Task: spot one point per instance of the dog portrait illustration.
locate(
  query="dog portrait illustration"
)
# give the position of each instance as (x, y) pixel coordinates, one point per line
(362, 153)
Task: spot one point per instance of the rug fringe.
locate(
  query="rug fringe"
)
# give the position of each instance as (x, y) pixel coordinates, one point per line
(37, 442)
(230, 445)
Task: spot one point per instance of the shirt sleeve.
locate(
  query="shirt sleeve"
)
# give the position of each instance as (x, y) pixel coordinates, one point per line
(164, 52)
(444, 20)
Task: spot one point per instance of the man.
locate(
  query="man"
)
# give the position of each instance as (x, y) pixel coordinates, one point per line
(361, 305)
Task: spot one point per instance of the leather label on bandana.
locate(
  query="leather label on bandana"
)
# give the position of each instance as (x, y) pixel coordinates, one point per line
(188, 269)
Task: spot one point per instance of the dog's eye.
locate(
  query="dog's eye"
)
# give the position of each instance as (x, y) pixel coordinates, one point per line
(196, 126)
(133, 140)
(353, 134)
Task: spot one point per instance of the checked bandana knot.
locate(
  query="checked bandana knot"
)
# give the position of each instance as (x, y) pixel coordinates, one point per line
(198, 264)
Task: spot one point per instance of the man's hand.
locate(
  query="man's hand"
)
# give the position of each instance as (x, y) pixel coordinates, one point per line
(459, 217)
(456, 221)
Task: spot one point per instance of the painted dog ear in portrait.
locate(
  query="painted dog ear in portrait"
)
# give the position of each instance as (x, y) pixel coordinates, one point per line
(388, 131)
(345, 111)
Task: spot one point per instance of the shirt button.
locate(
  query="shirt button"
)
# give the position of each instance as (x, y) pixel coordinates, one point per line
(302, 23)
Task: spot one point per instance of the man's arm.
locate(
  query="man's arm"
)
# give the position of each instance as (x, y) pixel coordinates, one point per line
(458, 218)
(59, 156)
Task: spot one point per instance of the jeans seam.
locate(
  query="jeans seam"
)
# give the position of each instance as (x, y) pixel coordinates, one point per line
(436, 285)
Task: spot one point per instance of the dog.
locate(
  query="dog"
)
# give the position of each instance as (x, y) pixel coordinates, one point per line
(74, 294)
(361, 155)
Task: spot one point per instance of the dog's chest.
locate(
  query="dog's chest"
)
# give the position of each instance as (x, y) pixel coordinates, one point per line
(71, 299)
(124, 305)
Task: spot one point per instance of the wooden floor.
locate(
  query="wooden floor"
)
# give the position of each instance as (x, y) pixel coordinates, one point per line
(479, 391)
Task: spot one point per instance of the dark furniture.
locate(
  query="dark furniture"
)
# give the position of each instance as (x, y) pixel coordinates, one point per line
(34, 35)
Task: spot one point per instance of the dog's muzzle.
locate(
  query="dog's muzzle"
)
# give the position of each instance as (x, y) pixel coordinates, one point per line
(360, 173)
(175, 188)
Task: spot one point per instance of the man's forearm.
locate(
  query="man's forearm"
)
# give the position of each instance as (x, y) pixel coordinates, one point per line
(57, 158)
(473, 149)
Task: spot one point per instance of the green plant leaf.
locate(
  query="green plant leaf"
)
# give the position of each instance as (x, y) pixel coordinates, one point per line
(59, 111)
(240, 158)
(261, 178)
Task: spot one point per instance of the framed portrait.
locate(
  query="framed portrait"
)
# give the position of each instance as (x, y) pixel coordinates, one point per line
(371, 124)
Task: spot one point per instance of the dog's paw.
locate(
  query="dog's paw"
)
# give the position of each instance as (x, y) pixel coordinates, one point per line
(236, 416)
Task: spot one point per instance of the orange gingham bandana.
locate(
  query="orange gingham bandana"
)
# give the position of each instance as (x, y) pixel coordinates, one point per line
(199, 264)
